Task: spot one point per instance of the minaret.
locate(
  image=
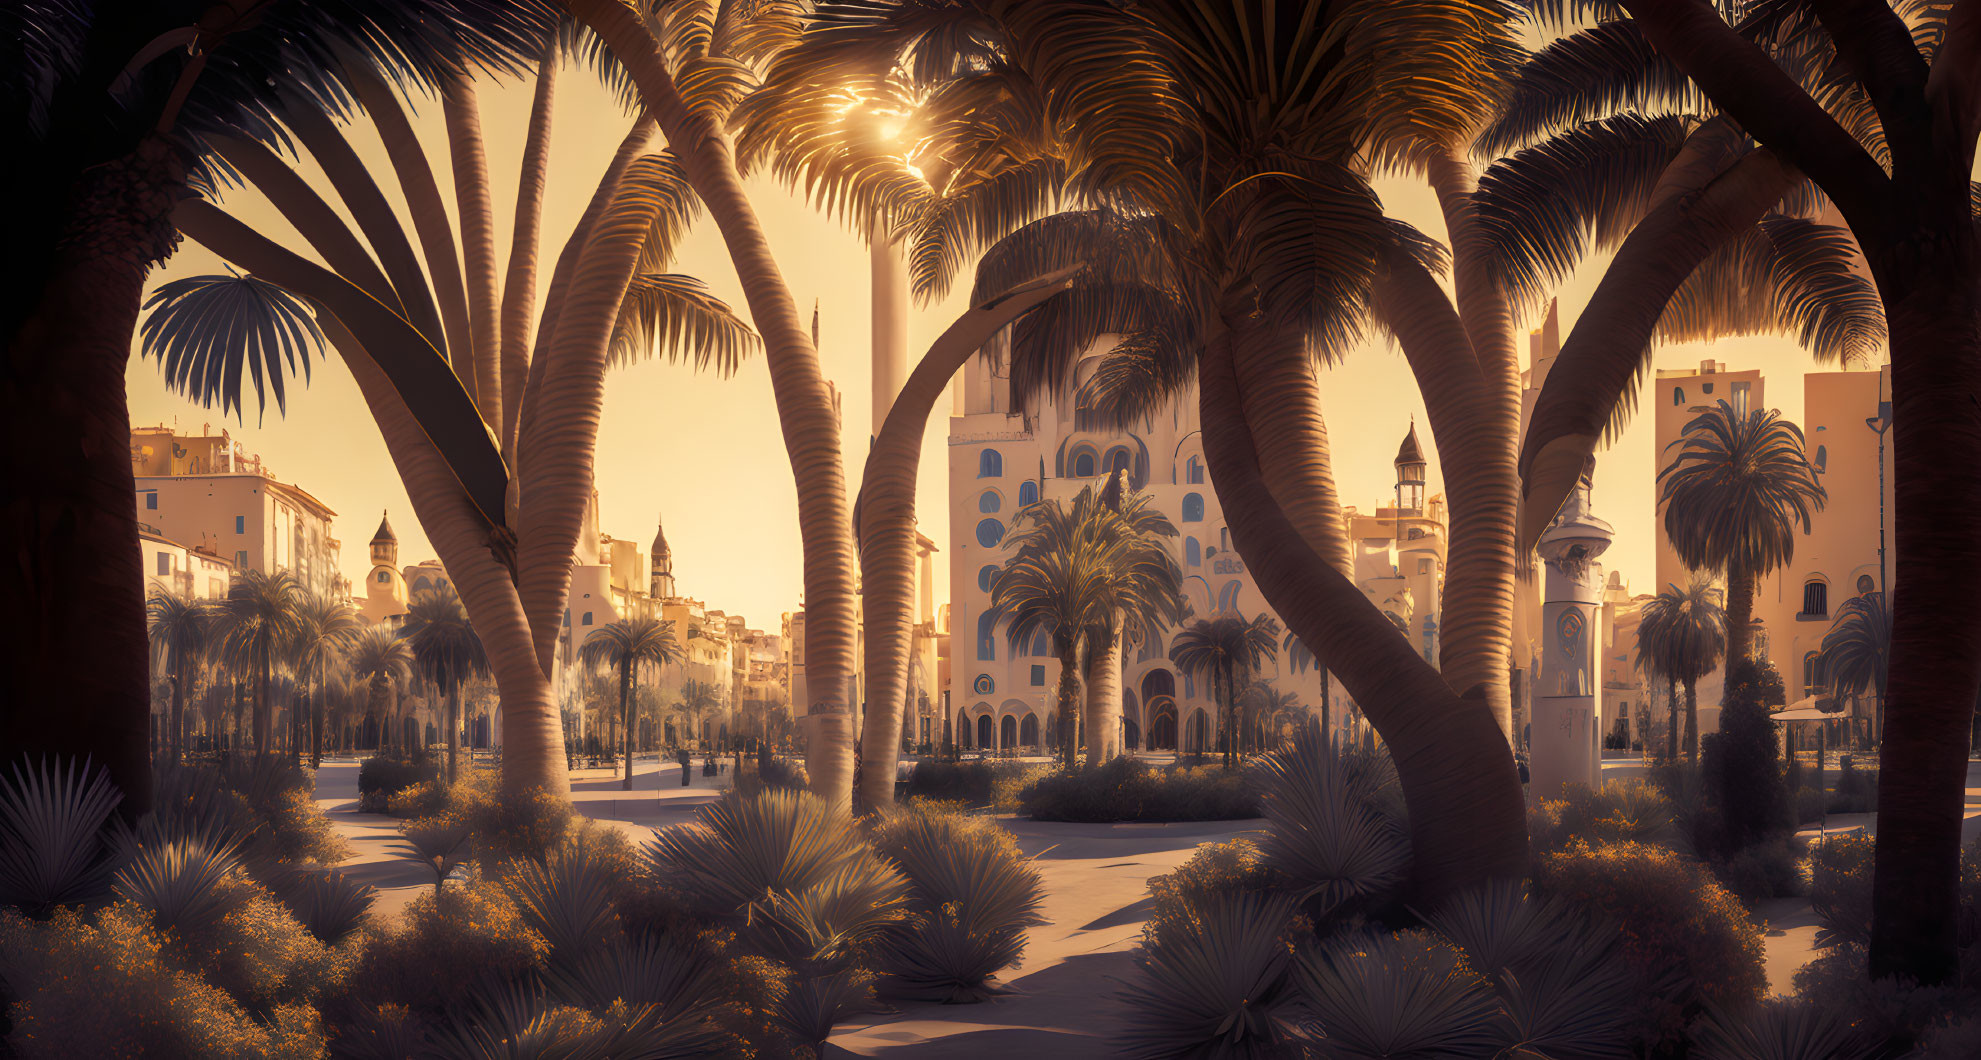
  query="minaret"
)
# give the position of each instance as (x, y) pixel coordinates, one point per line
(890, 326)
(661, 582)
(385, 586)
(384, 544)
(1410, 468)
(1565, 746)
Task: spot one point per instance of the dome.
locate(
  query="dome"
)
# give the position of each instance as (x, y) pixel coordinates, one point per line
(1410, 452)
(385, 533)
(660, 541)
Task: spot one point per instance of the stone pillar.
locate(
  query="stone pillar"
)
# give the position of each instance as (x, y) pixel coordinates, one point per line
(890, 327)
(1565, 746)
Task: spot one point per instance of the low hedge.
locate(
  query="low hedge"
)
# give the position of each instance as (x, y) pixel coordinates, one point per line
(980, 783)
(382, 776)
(1127, 790)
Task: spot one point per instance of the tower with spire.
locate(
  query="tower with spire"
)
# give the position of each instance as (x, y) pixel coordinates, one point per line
(385, 587)
(661, 582)
(1410, 468)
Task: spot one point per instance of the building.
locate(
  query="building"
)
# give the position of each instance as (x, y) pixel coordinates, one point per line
(1001, 695)
(175, 568)
(205, 494)
(1630, 711)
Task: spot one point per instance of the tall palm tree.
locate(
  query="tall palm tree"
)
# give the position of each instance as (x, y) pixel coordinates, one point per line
(1104, 648)
(1223, 651)
(1300, 660)
(1681, 637)
(491, 428)
(379, 659)
(1267, 710)
(447, 653)
(256, 622)
(1077, 575)
(1857, 651)
(106, 105)
(1734, 495)
(699, 699)
(626, 645)
(181, 636)
(1888, 133)
(323, 626)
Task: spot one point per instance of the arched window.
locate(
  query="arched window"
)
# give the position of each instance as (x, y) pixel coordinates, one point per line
(1822, 458)
(1227, 597)
(1678, 395)
(1193, 472)
(1083, 463)
(384, 577)
(1042, 644)
(1193, 553)
(1812, 671)
(990, 533)
(1028, 731)
(1815, 597)
(990, 464)
(1193, 507)
(1007, 731)
(989, 502)
(1865, 584)
(1118, 460)
(987, 637)
(587, 619)
(1189, 685)
(1028, 494)
(987, 578)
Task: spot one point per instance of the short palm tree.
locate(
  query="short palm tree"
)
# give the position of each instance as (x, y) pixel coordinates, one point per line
(323, 626)
(447, 653)
(1224, 650)
(1681, 636)
(1734, 495)
(1857, 651)
(1300, 659)
(626, 645)
(256, 622)
(379, 659)
(1267, 712)
(1075, 572)
(181, 636)
(699, 699)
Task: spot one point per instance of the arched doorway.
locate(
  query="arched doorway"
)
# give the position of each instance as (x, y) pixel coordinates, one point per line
(962, 730)
(1162, 724)
(1007, 732)
(1196, 740)
(1131, 734)
(984, 736)
(1028, 731)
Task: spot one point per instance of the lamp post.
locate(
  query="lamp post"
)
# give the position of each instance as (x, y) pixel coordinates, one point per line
(1880, 425)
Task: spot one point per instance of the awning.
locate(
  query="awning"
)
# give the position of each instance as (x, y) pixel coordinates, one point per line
(1804, 714)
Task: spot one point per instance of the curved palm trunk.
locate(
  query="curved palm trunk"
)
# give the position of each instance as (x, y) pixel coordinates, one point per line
(519, 288)
(804, 402)
(885, 519)
(1468, 816)
(1692, 720)
(477, 211)
(1104, 698)
(74, 583)
(1281, 399)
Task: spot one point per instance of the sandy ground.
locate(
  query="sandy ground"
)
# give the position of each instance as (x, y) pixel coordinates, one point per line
(1063, 1002)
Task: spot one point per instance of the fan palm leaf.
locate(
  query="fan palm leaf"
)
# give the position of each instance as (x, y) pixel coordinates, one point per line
(1379, 995)
(1857, 650)
(51, 818)
(1219, 987)
(1323, 829)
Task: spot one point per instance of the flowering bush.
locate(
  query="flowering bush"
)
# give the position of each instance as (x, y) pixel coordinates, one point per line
(1128, 790)
(1236, 867)
(452, 944)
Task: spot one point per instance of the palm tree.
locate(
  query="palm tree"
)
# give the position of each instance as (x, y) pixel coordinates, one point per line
(1079, 575)
(1681, 636)
(1267, 710)
(256, 622)
(491, 428)
(1734, 495)
(699, 699)
(379, 659)
(1300, 660)
(1857, 651)
(324, 625)
(626, 645)
(1888, 132)
(1104, 648)
(447, 653)
(181, 635)
(107, 104)
(1224, 651)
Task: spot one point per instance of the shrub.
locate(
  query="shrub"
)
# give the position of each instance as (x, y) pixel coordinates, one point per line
(382, 776)
(109, 989)
(260, 954)
(1771, 869)
(971, 897)
(1810, 805)
(265, 804)
(1128, 790)
(51, 834)
(1218, 985)
(970, 783)
(1627, 811)
(782, 773)
(1673, 915)
(450, 945)
(1397, 995)
(1231, 868)
(1856, 789)
(1741, 769)
(1326, 829)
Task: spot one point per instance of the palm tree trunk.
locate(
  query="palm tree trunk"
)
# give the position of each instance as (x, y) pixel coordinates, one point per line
(804, 402)
(74, 582)
(1468, 815)
(477, 213)
(1327, 723)
(626, 719)
(263, 709)
(1104, 697)
(453, 732)
(885, 519)
(178, 714)
(519, 289)
(1069, 705)
(1671, 743)
(1692, 720)
(1739, 615)
(1281, 399)
(317, 711)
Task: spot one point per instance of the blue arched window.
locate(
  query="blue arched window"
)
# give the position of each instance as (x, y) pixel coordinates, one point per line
(1028, 494)
(1189, 685)
(1042, 644)
(1193, 507)
(1193, 553)
(1678, 395)
(990, 464)
(1118, 459)
(1227, 597)
(987, 578)
(989, 502)
(1083, 463)
(1193, 472)
(989, 533)
(1822, 457)
(987, 637)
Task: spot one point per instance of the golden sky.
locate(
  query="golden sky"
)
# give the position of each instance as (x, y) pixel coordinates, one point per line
(706, 453)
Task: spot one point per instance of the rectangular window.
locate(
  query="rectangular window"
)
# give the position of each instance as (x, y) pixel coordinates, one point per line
(1815, 598)
(588, 618)
(240, 561)
(1038, 676)
(1740, 397)
(240, 524)
(164, 564)
(151, 501)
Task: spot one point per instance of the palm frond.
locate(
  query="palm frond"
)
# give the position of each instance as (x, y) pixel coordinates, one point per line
(1681, 634)
(1737, 489)
(207, 332)
(1587, 76)
(568, 899)
(1323, 831)
(1787, 275)
(971, 899)
(519, 1022)
(1778, 1029)
(1377, 995)
(180, 883)
(330, 905)
(51, 834)
(1219, 985)
(677, 316)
